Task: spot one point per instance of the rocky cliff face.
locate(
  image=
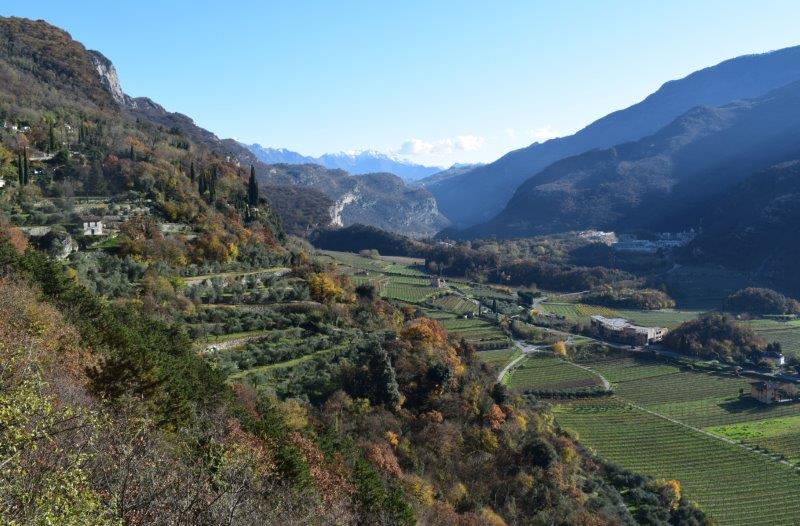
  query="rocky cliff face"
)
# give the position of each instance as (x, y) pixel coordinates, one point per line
(108, 76)
(380, 200)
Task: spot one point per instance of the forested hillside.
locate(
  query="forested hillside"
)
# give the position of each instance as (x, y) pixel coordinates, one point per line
(478, 195)
(118, 402)
(663, 182)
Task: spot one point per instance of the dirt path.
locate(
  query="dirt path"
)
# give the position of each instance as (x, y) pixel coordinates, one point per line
(232, 344)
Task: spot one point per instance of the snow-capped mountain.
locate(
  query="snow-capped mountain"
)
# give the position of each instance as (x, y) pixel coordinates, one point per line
(356, 163)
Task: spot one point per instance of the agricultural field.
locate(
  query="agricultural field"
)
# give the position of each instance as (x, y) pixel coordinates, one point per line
(578, 311)
(699, 427)
(787, 333)
(778, 435)
(738, 486)
(455, 304)
(404, 289)
(699, 399)
(669, 318)
(499, 357)
(703, 287)
(541, 372)
(479, 332)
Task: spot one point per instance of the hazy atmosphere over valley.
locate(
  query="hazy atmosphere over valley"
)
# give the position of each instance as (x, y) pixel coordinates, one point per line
(459, 264)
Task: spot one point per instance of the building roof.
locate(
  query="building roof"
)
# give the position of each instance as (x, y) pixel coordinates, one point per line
(90, 219)
(619, 324)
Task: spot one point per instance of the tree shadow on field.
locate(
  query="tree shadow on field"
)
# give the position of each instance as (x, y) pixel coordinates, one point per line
(748, 406)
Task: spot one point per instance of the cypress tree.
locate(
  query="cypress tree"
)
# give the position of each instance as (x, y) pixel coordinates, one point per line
(212, 186)
(20, 169)
(252, 188)
(202, 184)
(133, 154)
(52, 142)
(191, 172)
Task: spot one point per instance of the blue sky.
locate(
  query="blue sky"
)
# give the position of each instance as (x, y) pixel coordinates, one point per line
(436, 81)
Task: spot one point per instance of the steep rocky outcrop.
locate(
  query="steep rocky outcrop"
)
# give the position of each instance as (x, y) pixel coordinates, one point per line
(380, 200)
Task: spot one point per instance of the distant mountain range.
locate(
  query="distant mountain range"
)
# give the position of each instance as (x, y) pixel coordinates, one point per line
(663, 182)
(479, 194)
(356, 163)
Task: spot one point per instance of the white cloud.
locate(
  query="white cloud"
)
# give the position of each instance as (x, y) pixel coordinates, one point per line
(543, 133)
(446, 146)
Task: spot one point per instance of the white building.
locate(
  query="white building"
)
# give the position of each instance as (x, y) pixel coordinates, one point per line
(623, 330)
(92, 226)
(2, 183)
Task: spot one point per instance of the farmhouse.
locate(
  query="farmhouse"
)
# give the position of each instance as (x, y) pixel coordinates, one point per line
(622, 330)
(438, 282)
(92, 226)
(768, 392)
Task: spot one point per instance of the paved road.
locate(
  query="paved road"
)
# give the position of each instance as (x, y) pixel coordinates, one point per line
(526, 350)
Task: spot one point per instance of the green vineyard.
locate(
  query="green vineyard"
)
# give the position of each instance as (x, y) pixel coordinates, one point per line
(739, 487)
(547, 373)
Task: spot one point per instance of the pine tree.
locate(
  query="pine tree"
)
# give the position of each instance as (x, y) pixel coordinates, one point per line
(252, 188)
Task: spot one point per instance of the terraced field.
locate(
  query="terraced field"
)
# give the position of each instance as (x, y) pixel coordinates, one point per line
(479, 332)
(547, 373)
(737, 486)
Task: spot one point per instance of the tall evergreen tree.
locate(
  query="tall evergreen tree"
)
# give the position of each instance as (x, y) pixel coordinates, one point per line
(51, 146)
(191, 172)
(252, 188)
(202, 184)
(133, 154)
(20, 169)
(212, 183)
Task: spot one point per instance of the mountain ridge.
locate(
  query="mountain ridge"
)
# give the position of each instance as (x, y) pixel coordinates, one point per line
(660, 182)
(480, 194)
(357, 163)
